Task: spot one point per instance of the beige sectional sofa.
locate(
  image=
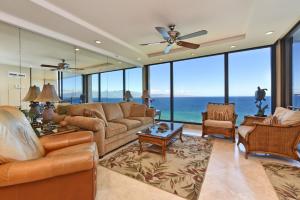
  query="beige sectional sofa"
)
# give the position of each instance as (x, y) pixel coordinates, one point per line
(116, 126)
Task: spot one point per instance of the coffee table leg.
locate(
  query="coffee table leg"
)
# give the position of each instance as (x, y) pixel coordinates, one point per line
(180, 135)
(164, 146)
(141, 147)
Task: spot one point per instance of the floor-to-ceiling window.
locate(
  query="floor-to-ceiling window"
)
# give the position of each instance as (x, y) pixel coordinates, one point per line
(248, 70)
(72, 87)
(197, 82)
(112, 86)
(296, 69)
(134, 83)
(93, 88)
(159, 82)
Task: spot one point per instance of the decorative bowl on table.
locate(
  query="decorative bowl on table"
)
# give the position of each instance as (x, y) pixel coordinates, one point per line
(162, 127)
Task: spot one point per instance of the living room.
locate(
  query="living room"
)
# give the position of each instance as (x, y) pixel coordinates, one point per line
(153, 100)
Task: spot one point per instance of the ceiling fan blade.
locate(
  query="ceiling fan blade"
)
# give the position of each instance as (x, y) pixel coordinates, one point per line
(191, 35)
(153, 43)
(53, 69)
(163, 31)
(188, 45)
(51, 66)
(168, 48)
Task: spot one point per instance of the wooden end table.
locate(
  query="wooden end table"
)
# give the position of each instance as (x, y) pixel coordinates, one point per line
(162, 139)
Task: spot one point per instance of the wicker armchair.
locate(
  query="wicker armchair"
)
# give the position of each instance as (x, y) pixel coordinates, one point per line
(258, 137)
(212, 123)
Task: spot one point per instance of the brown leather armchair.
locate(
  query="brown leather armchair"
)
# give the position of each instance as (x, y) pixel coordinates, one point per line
(66, 171)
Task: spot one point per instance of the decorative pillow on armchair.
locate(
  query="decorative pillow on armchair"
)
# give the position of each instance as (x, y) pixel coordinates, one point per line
(271, 120)
(95, 114)
(138, 110)
(18, 140)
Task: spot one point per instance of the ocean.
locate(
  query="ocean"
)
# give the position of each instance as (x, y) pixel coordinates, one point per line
(189, 109)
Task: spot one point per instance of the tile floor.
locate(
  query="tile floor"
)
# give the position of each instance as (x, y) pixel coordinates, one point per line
(229, 176)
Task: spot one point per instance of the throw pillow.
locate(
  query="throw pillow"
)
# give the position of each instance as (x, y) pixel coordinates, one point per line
(138, 110)
(95, 114)
(271, 120)
(18, 140)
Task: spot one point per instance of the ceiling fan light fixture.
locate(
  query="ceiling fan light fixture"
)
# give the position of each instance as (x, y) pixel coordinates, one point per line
(269, 32)
(98, 42)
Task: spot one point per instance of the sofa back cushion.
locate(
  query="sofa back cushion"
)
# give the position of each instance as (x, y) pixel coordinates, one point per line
(138, 110)
(221, 112)
(126, 108)
(78, 109)
(112, 111)
(18, 140)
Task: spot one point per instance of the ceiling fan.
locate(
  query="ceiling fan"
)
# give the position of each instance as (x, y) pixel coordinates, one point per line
(61, 66)
(173, 37)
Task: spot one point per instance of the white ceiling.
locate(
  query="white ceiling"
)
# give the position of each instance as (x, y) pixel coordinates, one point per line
(123, 25)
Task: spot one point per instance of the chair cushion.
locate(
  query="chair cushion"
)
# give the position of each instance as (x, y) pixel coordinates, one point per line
(290, 117)
(138, 110)
(144, 120)
(112, 111)
(18, 140)
(130, 123)
(114, 129)
(244, 130)
(220, 112)
(218, 123)
(126, 108)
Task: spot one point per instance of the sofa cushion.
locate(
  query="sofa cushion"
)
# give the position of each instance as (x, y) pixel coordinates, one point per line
(244, 130)
(220, 112)
(143, 120)
(218, 123)
(138, 110)
(95, 114)
(126, 108)
(130, 123)
(18, 140)
(112, 111)
(114, 129)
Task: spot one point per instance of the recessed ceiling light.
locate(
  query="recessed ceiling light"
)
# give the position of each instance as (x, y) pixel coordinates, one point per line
(269, 32)
(120, 62)
(98, 41)
(76, 49)
(192, 54)
(138, 58)
(160, 59)
(232, 46)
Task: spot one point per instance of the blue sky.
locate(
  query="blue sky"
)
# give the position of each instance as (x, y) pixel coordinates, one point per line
(197, 77)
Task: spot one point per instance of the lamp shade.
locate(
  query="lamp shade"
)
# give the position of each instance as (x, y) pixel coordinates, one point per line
(48, 94)
(32, 93)
(145, 94)
(128, 95)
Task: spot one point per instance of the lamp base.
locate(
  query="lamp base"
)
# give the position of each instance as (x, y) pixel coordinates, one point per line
(48, 113)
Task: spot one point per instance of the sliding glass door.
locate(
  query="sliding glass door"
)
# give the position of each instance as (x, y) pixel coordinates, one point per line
(197, 82)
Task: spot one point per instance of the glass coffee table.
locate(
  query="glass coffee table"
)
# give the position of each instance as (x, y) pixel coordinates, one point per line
(159, 138)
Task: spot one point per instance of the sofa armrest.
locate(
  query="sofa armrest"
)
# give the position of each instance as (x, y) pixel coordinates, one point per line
(54, 142)
(87, 123)
(150, 112)
(34, 170)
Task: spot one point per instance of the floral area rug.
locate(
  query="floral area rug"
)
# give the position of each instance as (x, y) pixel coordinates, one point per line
(181, 174)
(285, 180)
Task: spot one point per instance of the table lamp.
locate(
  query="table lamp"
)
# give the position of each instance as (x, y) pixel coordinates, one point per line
(31, 95)
(128, 97)
(146, 98)
(48, 96)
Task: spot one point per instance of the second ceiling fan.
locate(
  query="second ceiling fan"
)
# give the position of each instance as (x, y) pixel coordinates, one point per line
(173, 37)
